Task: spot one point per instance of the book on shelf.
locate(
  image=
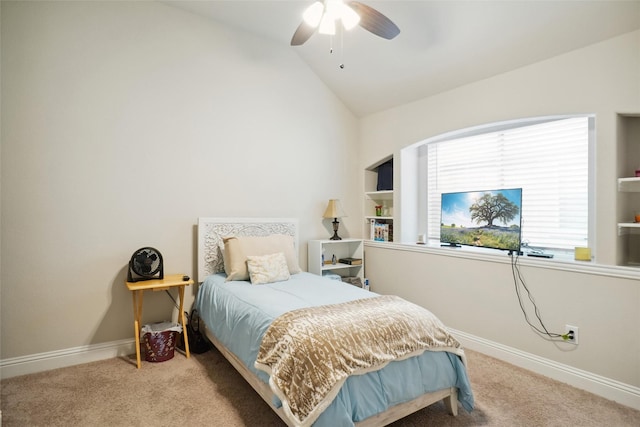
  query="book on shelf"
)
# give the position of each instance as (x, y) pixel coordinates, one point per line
(351, 261)
(381, 230)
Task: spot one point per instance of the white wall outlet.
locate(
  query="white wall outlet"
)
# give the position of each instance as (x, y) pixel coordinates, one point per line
(572, 331)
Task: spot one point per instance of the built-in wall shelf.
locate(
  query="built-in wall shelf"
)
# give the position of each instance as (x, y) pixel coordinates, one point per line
(625, 227)
(378, 198)
(629, 184)
(628, 203)
(381, 195)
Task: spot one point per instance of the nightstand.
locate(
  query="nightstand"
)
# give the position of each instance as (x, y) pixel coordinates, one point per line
(169, 281)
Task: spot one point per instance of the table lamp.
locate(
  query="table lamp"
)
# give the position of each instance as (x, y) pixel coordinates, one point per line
(334, 210)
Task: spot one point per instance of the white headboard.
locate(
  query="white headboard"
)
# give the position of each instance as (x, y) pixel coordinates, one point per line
(211, 231)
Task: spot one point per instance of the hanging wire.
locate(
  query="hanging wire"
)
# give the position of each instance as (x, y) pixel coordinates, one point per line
(341, 47)
(519, 280)
(172, 299)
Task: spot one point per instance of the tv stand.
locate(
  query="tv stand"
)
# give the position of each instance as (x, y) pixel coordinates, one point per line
(450, 245)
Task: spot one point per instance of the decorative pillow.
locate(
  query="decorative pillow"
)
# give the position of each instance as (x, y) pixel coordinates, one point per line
(267, 268)
(237, 249)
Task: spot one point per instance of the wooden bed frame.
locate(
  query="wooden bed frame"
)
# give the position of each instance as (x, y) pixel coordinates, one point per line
(210, 234)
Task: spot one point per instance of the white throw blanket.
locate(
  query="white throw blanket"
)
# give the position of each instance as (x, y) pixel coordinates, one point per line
(310, 352)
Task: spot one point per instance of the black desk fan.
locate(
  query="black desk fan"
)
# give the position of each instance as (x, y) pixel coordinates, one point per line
(145, 264)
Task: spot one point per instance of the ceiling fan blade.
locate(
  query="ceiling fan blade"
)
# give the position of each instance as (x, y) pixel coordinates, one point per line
(302, 34)
(374, 21)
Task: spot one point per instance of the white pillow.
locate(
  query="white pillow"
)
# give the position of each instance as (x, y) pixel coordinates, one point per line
(267, 268)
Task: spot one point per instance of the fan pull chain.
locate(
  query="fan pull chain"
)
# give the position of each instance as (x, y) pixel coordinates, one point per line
(341, 65)
(341, 49)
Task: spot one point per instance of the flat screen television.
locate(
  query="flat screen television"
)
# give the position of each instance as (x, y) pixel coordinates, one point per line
(485, 219)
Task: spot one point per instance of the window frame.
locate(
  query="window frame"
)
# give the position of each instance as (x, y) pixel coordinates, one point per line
(416, 222)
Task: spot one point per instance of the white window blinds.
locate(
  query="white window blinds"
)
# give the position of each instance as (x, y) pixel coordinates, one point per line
(549, 161)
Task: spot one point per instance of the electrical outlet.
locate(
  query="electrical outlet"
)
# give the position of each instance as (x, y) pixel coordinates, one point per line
(572, 329)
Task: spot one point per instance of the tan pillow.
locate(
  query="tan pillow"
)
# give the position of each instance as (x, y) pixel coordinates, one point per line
(236, 250)
(267, 268)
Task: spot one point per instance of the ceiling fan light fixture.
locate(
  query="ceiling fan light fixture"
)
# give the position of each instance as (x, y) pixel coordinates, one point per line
(325, 13)
(313, 14)
(333, 8)
(349, 17)
(327, 25)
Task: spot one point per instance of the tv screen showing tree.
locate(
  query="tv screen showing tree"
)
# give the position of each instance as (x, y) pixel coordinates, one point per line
(487, 219)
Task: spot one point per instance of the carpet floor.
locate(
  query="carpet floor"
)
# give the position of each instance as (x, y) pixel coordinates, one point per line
(206, 390)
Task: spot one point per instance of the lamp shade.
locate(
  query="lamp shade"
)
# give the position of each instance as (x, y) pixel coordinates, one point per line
(334, 209)
(313, 14)
(349, 17)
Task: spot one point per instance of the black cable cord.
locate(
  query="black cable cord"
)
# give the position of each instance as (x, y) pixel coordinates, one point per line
(524, 285)
(518, 279)
(172, 299)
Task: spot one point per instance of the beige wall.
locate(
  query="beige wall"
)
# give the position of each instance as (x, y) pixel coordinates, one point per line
(478, 297)
(122, 123)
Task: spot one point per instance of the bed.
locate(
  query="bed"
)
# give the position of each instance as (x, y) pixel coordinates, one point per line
(241, 317)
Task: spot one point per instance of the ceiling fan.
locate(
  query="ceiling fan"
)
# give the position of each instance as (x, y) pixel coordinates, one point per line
(323, 16)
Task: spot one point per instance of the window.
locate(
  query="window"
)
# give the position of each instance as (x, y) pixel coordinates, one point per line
(548, 159)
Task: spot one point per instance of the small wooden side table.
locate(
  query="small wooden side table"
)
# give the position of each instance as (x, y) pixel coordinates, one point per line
(138, 288)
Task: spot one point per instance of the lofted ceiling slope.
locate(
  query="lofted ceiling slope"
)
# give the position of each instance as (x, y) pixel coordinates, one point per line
(442, 44)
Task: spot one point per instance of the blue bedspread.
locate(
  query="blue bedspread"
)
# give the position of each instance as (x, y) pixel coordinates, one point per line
(239, 313)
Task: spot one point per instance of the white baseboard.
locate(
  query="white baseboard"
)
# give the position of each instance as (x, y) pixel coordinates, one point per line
(617, 391)
(61, 358)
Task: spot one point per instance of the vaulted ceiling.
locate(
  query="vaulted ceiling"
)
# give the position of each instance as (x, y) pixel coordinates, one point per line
(442, 44)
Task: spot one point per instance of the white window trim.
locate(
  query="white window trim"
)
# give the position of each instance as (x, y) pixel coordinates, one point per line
(410, 222)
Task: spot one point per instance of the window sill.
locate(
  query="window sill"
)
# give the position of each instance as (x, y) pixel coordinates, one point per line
(563, 261)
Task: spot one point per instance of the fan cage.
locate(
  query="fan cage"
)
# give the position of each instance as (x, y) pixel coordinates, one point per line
(135, 274)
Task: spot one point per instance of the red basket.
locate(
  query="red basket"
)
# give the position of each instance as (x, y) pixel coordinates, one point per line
(159, 346)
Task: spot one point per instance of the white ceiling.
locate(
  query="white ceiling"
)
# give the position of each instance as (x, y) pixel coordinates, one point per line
(442, 44)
